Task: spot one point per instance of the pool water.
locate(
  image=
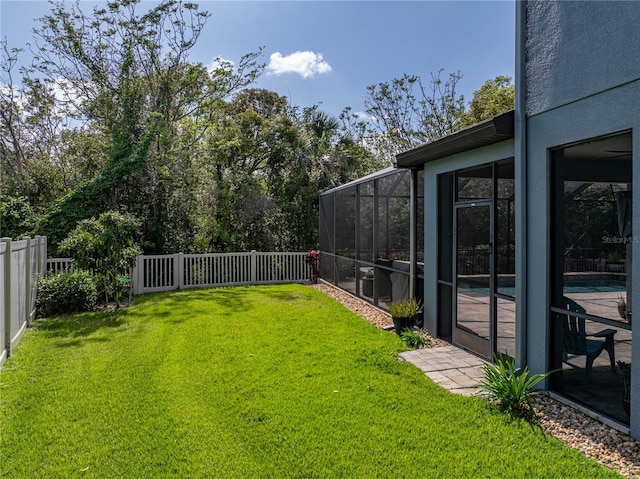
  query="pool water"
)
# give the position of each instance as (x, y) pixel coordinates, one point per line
(595, 286)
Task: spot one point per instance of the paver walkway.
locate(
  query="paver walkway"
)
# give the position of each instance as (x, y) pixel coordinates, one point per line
(448, 366)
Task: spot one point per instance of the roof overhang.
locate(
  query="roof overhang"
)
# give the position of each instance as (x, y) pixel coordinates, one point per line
(488, 132)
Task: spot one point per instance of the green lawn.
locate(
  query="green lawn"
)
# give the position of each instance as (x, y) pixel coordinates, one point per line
(247, 382)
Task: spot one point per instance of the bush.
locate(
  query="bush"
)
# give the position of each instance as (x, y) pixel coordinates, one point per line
(405, 308)
(106, 246)
(511, 389)
(18, 217)
(66, 293)
(416, 338)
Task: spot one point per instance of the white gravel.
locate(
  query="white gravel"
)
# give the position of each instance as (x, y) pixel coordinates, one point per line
(579, 431)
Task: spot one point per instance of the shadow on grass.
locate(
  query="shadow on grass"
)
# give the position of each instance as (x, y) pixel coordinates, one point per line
(69, 343)
(232, 298)
(79, 325)
(287, 296)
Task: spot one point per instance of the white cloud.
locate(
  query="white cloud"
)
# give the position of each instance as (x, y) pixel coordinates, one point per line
(306, 64)
(363, 116)
(220, 63)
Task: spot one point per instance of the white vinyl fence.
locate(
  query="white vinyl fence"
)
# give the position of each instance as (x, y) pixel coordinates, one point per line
(21, 263)
(165, 272)
(59, 265)
(179, 271)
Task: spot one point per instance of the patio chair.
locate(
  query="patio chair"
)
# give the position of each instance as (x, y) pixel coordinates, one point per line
(575, 339)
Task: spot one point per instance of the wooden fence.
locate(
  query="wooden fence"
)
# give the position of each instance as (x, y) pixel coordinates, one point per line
(21, 263)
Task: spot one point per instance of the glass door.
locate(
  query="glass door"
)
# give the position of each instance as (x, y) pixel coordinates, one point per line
(473, 327)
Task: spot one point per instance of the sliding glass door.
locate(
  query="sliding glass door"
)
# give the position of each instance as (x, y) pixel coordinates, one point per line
(473, 281)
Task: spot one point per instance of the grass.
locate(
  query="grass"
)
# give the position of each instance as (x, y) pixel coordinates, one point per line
(247, 382)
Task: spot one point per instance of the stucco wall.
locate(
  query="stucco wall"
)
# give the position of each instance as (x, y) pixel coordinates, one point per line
(577, 49)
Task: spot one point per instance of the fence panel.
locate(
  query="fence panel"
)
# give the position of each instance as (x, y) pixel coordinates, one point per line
(32, 285)
(59, 265)
(156, 273)
(21, 262)
(4, 298)
(216, 269)
(165, 272)
(18, 321)
(281, 268)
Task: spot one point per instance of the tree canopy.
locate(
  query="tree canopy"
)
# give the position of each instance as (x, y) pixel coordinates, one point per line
(495, 96)
(113, 116)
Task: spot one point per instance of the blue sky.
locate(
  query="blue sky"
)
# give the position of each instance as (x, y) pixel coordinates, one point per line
(327, 52)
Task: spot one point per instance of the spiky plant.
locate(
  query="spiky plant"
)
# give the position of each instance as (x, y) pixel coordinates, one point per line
(510, 389)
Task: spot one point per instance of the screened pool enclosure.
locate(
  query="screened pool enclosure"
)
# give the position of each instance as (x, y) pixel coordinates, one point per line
(366, 232)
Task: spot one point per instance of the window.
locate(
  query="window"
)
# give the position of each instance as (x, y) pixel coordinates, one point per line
(591, 270)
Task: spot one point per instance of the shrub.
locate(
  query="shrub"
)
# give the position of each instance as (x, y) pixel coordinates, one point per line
(313, 260)
(18, 217)
(405, 308)
(511, 389)
(416, 338)
(106, 246)
(66, 293)
(346, 268)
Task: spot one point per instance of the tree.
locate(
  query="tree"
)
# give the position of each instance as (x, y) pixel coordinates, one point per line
(494, 97)
(30, 127)
(16, 217)
(328, 157)
(107, 246)
(250, 140)
(128, 73)
(405, 113)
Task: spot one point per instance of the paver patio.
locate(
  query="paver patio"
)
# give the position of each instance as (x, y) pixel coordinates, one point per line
(448, 366)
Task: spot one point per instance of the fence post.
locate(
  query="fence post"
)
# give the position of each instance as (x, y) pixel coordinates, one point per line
(179, 270)
(38, 261)
(43, 256)
(41, 266)
(254, 266)
(136, 275)
(27, 280)
(7, 295)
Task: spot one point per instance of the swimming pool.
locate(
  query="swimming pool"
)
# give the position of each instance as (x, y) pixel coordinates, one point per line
(601, 284)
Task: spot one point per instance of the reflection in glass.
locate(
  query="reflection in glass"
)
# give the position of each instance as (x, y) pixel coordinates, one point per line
(366, 221)
(346, 270)
(345, 222)
(591, 243)
(475, 184)
(505, 230)
(602, 389)
(473, 268)
(595, 253)
(506, 329)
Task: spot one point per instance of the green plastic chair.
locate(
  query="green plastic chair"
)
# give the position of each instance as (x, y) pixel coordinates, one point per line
(576, 341)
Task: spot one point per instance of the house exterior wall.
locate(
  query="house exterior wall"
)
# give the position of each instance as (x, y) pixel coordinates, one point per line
(480, 156)
(576, 49)
(581, 81)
